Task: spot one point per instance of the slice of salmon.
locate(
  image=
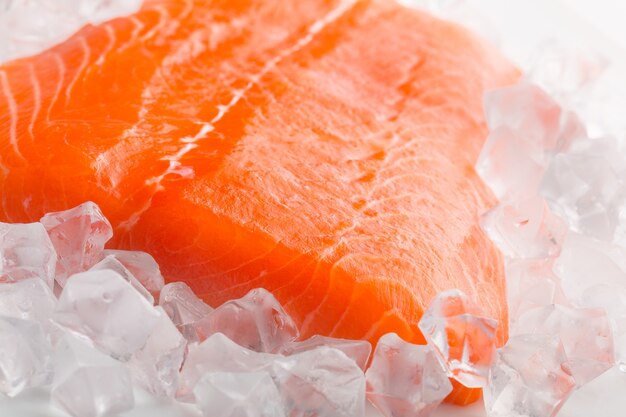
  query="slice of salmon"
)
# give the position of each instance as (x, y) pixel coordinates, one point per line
(321, 149)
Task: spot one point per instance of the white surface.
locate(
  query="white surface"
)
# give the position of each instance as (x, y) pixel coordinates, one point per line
(603, 397)
(523, 24)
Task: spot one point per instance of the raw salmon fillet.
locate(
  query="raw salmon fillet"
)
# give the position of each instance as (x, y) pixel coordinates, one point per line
(322, 149)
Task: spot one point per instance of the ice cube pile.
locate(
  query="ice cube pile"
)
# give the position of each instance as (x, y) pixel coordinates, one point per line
(558, 167)
(91, 324)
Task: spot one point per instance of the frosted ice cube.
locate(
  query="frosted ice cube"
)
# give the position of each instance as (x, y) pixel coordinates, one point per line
(241, 394)
(112, 263)
(183, 307)
(531, 283)
(142, 265)
(157, 364)
(461, 335)
(525, 228)
(322, 382)
(88, 383)
(25, 356)
(526, 108)
(585, 263)
(405, 380)
(601, 106)
(28, 299)
(78, 235)
(526, 128)
(26, 252)
(256, 321)
(587, 187)
(357, 350)
(107, 309)
(531, 378)
(510, 165)
(584, 333)
(217, 354)
(564, 71)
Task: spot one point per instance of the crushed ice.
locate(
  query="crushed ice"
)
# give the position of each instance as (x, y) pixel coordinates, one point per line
(558, 166)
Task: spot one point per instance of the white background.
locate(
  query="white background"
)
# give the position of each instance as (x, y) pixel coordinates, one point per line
(523, 25)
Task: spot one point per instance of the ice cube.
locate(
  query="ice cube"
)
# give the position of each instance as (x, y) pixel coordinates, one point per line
(531, 283)
(564, 71)
(357, 350)
(88, 383)
(585, 263)
(183, 307)
(525, 228)
(602, 106)
(322, 382)
(157, 364)
(585, 334)
(587, 187)
(256, 321)
(217, 354)
(461, 335)
(526, 128)
(510, 165)
(25, 355)
(525, 107)
(142, 265)
(26, 252)
(29, 299)
(238, 394)
(107, 309)
(530, 378)
(405, 380)
(112, 263)
(78, 235)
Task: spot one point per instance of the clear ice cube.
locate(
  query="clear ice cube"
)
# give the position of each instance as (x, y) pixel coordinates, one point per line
(25, 355)
(26, 252)
(29, 299)
(526, 128)
(584, 332)
(98, 304)
(461, 335)
(78, 235)
(530, 378)
(183, 307)
(525, 228)
(586, 263)
(531, 283)
(88, 383)
(143, 267)
(587, 187)
(112, 263)
(510, 165)
(156, 366)
(238, 394)
(217, 354)
(357, 350)
(256, 321)
(405, 380)
(322, 382)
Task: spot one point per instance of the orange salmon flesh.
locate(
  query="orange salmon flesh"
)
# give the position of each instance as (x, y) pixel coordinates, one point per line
(321, 149)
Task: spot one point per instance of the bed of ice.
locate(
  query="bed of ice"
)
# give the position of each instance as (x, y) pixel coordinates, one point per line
(92, 325)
